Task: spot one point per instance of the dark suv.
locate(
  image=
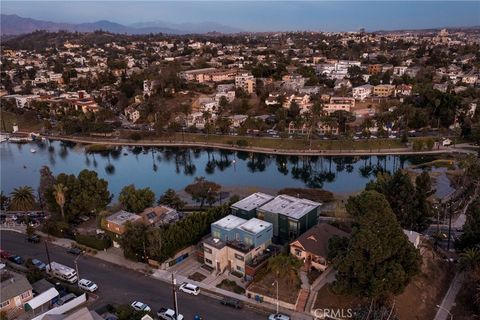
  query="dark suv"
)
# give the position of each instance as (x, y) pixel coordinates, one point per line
(34, 238)
(237, 304)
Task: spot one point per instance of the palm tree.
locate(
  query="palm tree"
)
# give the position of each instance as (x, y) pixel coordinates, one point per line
(22, 199)
(470, 258)
(59, 193)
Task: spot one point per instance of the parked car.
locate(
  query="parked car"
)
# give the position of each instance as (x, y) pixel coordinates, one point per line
(16, 259)
(38, 264)
(74, 251)
(278, 316)
(34, 238)
(168, 314)
(87, 285)
(190, 288)
(66, 298)
(235, 303)
(4, 254)
(140, 306)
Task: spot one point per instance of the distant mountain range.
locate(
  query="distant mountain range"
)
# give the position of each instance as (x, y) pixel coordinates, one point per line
(12, 24)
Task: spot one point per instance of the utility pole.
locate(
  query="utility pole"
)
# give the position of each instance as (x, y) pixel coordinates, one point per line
(76, 267)
(48, 255)
(450, 225)
(174, 291)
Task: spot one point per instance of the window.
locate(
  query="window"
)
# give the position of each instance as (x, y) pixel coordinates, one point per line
(239, 268)
(298, 253)
(208, 261)
(5, 303)
(239, 257)
(25, 295)
(216, 234)
(207, 250)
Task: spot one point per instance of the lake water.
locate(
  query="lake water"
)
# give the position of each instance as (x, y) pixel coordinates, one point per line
(163, 168)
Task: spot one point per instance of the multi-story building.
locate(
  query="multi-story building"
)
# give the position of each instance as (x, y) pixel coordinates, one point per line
(339, 104)
(15, 292)
(384, 90)
(290, 216)
(362, 92)
(235, 243)
(247, 207)
(246, 82)
(375, 68)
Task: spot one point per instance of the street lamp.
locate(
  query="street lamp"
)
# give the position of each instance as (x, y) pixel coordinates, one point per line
(440, 307)
(276, 283)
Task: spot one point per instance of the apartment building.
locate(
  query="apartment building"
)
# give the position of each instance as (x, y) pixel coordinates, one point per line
(247, 207)
(289, 216)
(384, 90)
(339, 104)
(246, 82)
(362, 92)
(235, 243)
(375, 68)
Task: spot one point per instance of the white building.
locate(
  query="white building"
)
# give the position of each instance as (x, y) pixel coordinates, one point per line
(362, 92)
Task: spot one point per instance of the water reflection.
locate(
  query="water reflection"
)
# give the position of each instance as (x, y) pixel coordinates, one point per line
(177, 167)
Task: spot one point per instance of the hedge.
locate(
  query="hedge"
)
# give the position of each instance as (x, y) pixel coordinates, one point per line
(94, 242)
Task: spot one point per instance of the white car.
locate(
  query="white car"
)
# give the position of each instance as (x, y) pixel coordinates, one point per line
(278, 316)
(87, 285)
(140, 306)
(190, 288)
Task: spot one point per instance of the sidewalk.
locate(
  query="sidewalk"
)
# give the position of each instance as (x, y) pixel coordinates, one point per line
(448, 301)
(115, 256)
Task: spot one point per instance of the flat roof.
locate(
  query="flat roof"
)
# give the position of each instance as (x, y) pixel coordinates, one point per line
(255, 226)
(230, 222)
(253, 201)
(290, 206)
(122, 217)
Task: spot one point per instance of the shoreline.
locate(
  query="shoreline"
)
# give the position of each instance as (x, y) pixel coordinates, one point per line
(287, 152)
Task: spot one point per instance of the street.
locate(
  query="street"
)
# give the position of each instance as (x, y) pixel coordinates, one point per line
(119, 285)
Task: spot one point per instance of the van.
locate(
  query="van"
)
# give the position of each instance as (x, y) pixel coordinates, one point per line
(190, 288)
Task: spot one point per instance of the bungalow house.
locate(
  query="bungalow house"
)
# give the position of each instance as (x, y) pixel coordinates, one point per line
(159, 215)
(132, 113)
(116, 222)
(15, 291)
(312, 246)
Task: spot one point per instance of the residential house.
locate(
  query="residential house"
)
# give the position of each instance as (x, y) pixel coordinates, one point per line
(197, 120)
(290, 216)
(132, 113)
(339, 104)
(116, 222)
(339, 83)
(302, 101)
(374, 69)
(23, 101)
(15, 291)
(362, 92)
(312, 246)
(236, 243)
(246, 82)
(247, 207)
(327, 128)
(384, 90)
(413, 237)
(399, 71)
(238, 120)
(159, 215)
(403, 90)
(293, 82)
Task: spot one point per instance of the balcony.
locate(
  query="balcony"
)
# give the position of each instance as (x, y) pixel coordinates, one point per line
(239, 245)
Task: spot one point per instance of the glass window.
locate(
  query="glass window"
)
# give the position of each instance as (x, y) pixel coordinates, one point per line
(216, 234)
(207, 250)
(239, 268)
(208, 261)
(25, 295)
(239, 257)
(5, 303)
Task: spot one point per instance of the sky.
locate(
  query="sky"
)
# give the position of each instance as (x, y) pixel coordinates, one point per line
(261, 15)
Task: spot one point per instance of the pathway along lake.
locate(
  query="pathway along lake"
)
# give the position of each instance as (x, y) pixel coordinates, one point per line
(163, 168)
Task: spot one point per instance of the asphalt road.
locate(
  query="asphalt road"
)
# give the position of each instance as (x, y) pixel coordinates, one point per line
(119, 285)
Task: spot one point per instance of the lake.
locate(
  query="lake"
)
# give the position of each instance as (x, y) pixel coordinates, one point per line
(163, 168)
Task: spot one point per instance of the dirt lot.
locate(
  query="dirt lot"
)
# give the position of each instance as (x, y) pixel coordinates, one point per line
(419, 299)
(288, 292)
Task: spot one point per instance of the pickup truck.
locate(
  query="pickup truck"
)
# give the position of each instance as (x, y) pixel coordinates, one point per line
(168, 314)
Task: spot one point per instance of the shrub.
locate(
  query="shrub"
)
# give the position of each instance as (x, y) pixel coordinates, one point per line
(93, 241)
(429, 143)
(417, 145)
(242, 143)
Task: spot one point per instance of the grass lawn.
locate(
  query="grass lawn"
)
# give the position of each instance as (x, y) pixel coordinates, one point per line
(25, 122)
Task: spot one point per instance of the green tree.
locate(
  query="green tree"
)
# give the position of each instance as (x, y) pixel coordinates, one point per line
(47, 180)
(136, 200)
(170, 198)
(22, 199)
(59, 191)
(286, 267)
(470, 259)
(380, 260)
(203, 191)
(471, 229)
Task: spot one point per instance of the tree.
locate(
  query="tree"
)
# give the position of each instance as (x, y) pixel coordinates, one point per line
(202, 190)
(286, 267)
(409, 204)
(47, 180)
(4, 201)
(471, 229)
(470, 259)
(134, 241)
(22, 199)
(380, 260)
(170, 198)
(136, 200)
(59, 191)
